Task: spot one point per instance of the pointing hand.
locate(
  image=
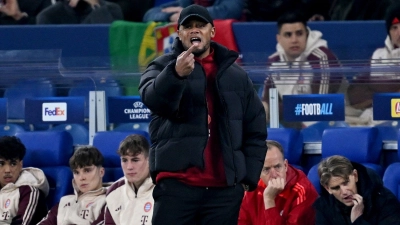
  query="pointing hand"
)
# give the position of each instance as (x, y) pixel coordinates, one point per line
(185, 62)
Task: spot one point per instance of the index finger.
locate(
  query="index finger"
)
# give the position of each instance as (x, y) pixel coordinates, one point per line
(358, 197)
(189, 51)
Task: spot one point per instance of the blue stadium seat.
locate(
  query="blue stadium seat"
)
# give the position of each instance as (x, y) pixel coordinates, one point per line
(358, 144)
(59, 178)
(291, 141)
(50, 151)
(391, 177)
(29, 88)
(43, 144)
(108, 142)
(314, 178)
(313, 133)
(389, 130)
(10, 129)
(79, 132)
(132, 126)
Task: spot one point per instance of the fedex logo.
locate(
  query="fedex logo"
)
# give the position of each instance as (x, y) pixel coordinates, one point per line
(54, 111)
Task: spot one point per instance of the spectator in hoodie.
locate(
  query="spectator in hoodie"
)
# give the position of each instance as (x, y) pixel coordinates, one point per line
(300, 50)
(381, 79)
(23, 190)
(86, 206)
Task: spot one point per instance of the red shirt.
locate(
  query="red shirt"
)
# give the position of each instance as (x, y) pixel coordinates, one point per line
(292, 206)
(213, 174)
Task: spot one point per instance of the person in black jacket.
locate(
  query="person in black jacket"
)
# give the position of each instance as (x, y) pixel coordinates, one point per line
(353, 194)
(208, 127)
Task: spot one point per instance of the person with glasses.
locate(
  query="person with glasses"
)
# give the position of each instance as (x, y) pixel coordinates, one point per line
(284, 194)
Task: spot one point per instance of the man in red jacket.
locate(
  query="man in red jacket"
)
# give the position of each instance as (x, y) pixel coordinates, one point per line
(284, 194)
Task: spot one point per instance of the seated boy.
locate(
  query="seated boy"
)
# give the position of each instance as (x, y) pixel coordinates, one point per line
(23, 190)
(130, 199)
(87, 205)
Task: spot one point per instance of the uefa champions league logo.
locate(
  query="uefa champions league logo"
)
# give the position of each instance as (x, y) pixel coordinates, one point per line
(138, 105)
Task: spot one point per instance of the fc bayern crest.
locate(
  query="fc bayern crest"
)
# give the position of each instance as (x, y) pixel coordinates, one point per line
(8, 202)
(147, 206)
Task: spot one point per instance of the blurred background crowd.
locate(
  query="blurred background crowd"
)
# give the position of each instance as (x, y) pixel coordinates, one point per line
(106, 11)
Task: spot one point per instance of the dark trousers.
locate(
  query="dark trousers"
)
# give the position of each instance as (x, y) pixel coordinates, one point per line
(176, 203)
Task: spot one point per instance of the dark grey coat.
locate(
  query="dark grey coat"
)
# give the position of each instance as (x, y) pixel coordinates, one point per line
(179, 129)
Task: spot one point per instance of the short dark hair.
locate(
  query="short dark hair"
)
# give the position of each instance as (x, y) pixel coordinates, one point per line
(134, 144)
(334, 166)
(271, 143)
(11, 148)
(292, 16)
(86, 156)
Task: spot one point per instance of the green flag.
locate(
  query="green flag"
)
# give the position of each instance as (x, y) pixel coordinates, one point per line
(132, 47)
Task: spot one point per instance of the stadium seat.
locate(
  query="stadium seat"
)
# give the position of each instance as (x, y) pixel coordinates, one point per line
(79, 133)
(10, 129)
(59, 178)
(50, 151)
(358, 144)
(391, 177)
(314, 178)
(291, 141)
(132, 126)
(108, 142)
(313, 133)
(389, 130)
(29, 88)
